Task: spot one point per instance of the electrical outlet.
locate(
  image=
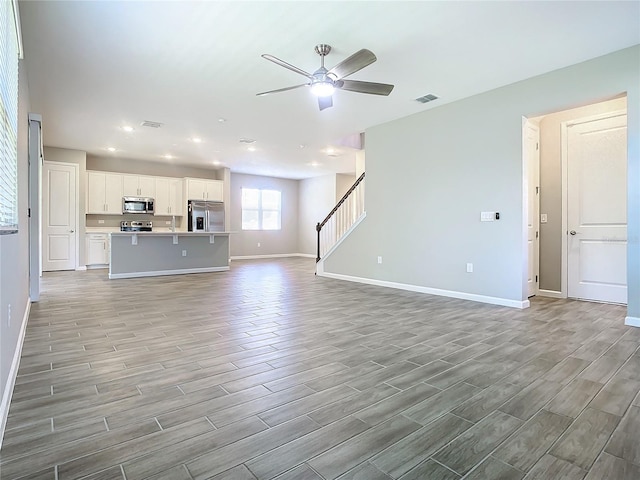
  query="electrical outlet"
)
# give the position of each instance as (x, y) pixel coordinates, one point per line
(100, 222)
(469, 267)
(184, 253)
(379, 260)
(168, 222)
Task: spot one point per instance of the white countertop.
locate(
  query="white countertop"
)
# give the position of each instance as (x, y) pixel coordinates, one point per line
(101, 229)
(168, 233)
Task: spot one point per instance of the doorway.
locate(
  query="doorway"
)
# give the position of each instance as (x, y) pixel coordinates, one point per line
(583, 160)
(59, 216)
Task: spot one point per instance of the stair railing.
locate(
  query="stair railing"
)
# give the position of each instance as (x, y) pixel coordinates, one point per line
(341, 218)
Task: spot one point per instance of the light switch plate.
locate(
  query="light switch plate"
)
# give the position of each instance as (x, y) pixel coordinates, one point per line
(543, 218)
(487, 216)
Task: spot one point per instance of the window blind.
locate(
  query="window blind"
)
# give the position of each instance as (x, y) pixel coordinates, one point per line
(9, 54)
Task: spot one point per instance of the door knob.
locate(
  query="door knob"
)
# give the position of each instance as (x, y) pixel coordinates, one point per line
(70, 231)
(573, 232)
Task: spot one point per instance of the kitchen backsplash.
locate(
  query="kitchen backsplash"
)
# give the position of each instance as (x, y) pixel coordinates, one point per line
(113, 221)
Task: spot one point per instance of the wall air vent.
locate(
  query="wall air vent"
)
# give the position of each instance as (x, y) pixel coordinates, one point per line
(426, 98)
(147, 123)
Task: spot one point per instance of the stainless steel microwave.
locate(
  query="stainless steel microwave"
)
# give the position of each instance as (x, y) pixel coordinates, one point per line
(138, 205)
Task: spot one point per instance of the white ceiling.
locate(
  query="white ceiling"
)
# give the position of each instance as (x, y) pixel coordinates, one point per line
(96, 66)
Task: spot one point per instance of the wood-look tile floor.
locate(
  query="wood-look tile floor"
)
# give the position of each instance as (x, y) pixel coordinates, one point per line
(267, 371)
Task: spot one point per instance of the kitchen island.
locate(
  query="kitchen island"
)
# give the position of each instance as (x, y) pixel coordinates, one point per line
(150, 254)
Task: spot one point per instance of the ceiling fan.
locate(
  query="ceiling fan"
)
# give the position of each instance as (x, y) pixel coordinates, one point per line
(324, 82)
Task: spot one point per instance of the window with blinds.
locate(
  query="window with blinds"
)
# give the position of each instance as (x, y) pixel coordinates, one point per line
(9, 54)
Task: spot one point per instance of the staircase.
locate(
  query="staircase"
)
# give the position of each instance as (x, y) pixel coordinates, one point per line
(341, 219)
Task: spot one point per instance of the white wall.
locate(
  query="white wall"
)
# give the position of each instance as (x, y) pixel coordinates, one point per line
(276, 242)
(317, 196)
(343, 183)
(14, 262)
(451, 162)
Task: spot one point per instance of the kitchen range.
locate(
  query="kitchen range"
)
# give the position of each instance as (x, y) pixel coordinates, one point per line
(135, 226)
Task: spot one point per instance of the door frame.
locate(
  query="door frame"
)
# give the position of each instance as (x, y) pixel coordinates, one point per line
(76, 169)
(528, 167)
(564, 142)
(36, 159)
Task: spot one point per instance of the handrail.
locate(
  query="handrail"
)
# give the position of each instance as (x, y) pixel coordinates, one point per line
(334, 210)
(344, 197)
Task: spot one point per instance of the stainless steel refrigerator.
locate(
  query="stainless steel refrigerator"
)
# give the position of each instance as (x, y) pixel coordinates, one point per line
(205, 216)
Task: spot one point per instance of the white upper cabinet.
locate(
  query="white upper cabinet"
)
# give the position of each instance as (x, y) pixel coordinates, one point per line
(138, 186)
(104, 193)
(168, 196)
(201, 189)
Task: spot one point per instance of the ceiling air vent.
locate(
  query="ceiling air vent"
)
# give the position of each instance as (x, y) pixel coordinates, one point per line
(426, 98)
(247, 141)
(147, 123)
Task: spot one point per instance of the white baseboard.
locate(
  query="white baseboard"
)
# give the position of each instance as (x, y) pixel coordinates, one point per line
(97, 266)
(550, 293)
(505, 302)
(81, 268)
(13, 373)
(161, 273)
(274, 255)
(632, 321)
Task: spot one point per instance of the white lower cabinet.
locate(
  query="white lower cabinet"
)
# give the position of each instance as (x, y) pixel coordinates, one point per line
(97, 249)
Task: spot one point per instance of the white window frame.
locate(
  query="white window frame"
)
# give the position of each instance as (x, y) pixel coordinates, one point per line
(10, 53)
(260, 210)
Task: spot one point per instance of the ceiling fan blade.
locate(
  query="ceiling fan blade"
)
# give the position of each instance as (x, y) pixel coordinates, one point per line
(325, 102)
(284, 64)
(282, 89)
(364, 87)
(352, 64)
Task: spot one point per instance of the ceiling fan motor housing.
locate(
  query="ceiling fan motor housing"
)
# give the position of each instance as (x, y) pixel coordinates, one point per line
(323, 49)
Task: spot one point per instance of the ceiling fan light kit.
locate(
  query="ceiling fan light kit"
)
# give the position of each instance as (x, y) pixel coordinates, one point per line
(324, 82)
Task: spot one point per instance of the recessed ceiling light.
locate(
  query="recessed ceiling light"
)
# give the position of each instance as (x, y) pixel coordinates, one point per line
(216, 162)
(314, 164)
(196, 139)
(222, 120)
(330, 151)
(111, 149)
(168, 156)
(302, 146)
(251, 149)
(128, 128)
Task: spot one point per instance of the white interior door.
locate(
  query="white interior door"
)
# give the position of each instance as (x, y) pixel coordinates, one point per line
(597, 209)
(532, 156)
(59, 218)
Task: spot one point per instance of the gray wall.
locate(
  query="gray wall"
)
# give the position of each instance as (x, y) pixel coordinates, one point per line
(52, 154)
(14, 250)
(160, 169)
(451, 162)
(284, 241)
(551, 187)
